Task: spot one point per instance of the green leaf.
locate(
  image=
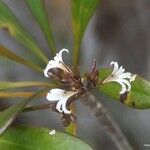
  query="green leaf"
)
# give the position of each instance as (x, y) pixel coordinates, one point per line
(138, 97)
(4, 85)
(4, 52)
(72, 128)
(25, 138)
(9, 115)
(82, 11)
(9, 22)
(38, 11)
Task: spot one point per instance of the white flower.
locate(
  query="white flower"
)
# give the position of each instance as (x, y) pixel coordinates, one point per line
(120, 76)
(57, 63)
(53, 132)
(61, 96)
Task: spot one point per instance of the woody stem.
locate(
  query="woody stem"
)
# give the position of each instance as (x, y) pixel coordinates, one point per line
(38, 107)
(108, 122)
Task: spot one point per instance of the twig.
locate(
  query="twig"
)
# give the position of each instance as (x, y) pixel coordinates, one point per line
(65, 118)
(39, 107)
(107, 121)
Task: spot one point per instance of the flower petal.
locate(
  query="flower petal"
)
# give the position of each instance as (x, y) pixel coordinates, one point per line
(125, 75)
(64, 108)
(115, 67)
(123, 87)
(59, 106)
(62, 97)
(55, 94)
(119, 71)
(133, 77)
(127, 83)
(58, 56)
(57, 63)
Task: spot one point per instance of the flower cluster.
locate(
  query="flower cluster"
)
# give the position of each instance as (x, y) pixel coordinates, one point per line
(56, 68)
(120, 76)
(73, 85)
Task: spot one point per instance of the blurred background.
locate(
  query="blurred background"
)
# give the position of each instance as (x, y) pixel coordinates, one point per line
(119, 31)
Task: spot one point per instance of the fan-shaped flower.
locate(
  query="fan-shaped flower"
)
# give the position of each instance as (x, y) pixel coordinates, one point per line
(62, 97)
(57, 63)
(120, 76)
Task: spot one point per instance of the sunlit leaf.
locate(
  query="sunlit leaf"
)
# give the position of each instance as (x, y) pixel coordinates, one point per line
(9, 22)
(4, 52)
(39, 12)
(138, 97)
(82, 11)
(27, 138)
(4, 85)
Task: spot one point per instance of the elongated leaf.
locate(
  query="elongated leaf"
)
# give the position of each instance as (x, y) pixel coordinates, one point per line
(25, 138)
(4, 85)
(138, 97)
(82, 10)
(8, 115)
(9, 22)
(16, 94)
(4, 52)
(38, 11)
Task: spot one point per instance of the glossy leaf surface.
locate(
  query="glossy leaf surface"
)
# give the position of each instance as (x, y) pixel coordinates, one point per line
(25, 138)
(138, 97)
